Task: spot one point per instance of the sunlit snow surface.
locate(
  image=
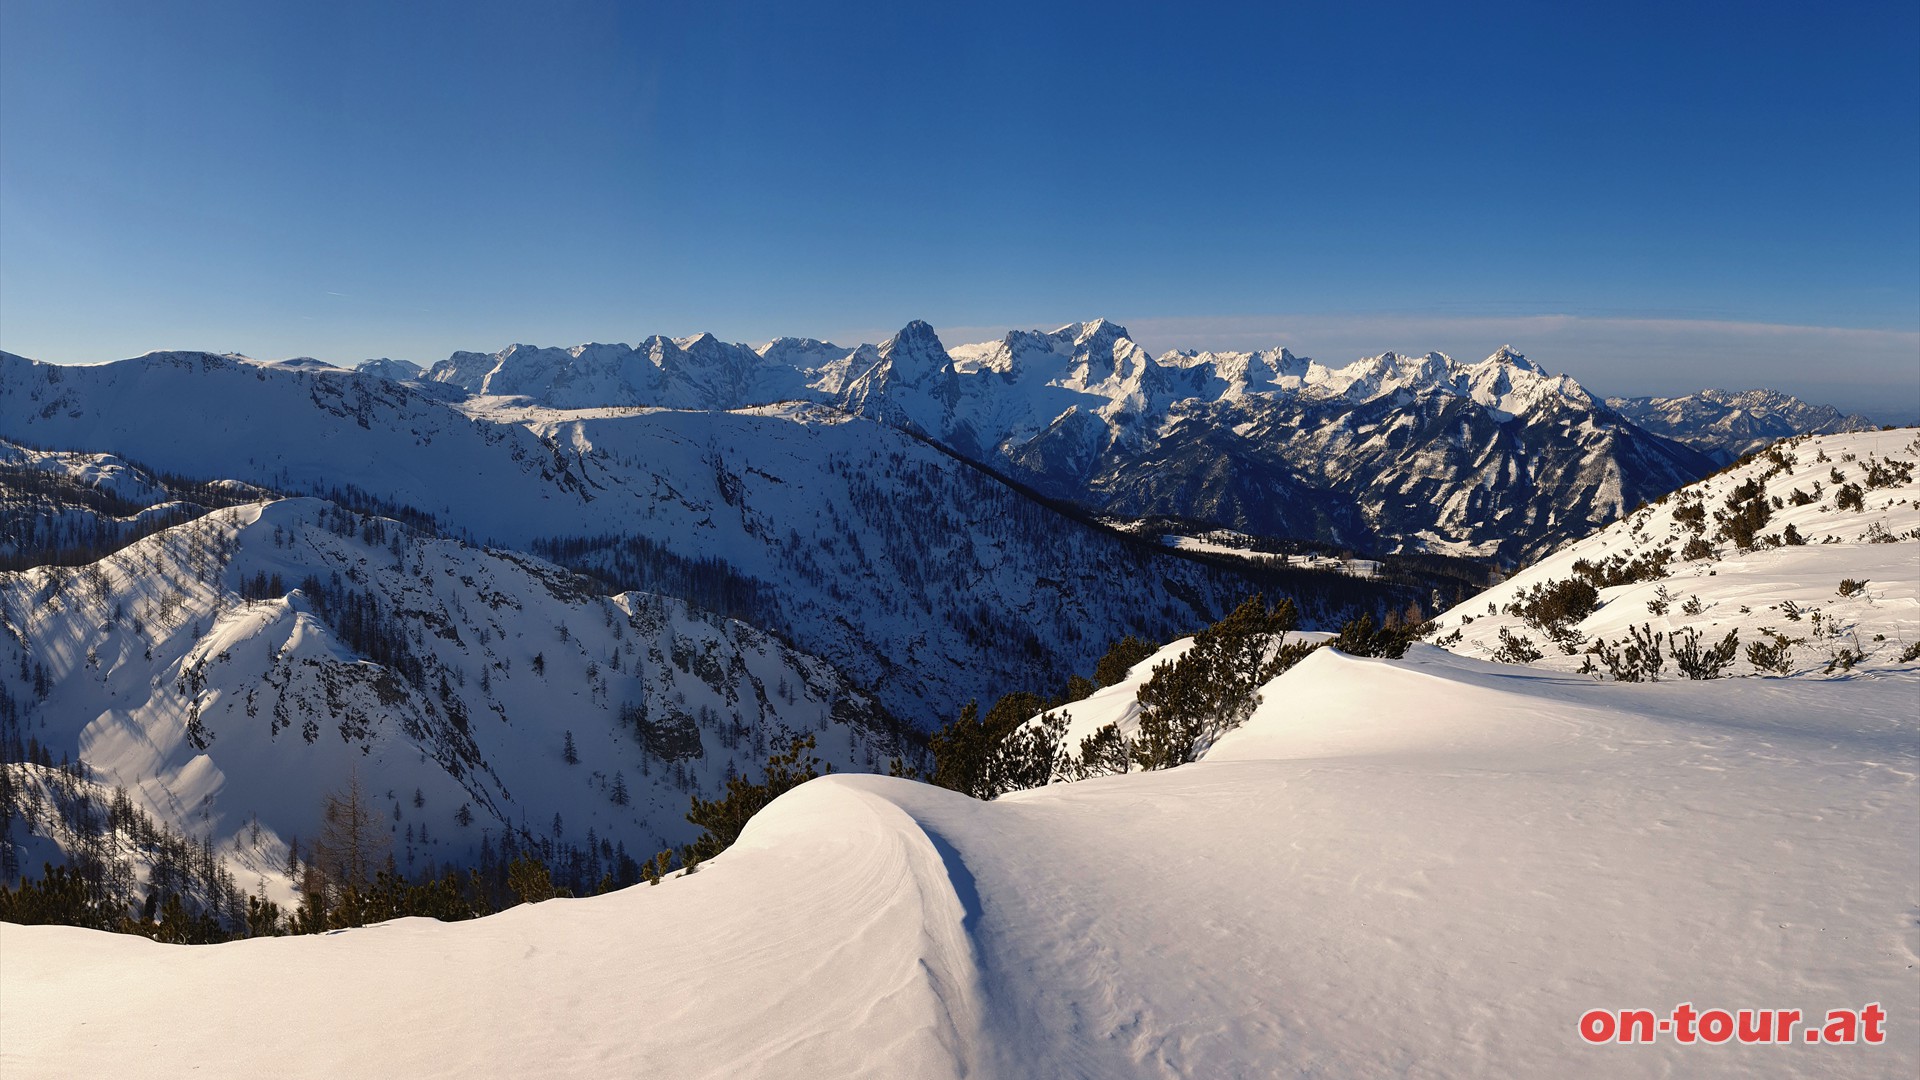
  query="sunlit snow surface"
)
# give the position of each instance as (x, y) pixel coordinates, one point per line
(1793, 591)
(1423, 867)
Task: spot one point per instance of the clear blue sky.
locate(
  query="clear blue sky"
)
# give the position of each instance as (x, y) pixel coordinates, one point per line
(346, 180)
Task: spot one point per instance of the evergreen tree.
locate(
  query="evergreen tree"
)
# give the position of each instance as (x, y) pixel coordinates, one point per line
(723, 818)
(1121, 657)
(1079, 688)
(568, 753)
(1214, 686)
(61, 896)
(1103, 753)
(530, 880)
(1360, 637)
(987, 757)
(960, 749)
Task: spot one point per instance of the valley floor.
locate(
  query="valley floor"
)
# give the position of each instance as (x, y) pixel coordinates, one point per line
(1429, 867)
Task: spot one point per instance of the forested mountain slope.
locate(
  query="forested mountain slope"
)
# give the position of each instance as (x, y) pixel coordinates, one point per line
(919, 576)
(232, 672)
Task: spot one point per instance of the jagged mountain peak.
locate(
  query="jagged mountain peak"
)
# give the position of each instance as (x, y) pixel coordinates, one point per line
(1509, 356)
(917, 345)
(917, 330)
(1373, 377)
(600, 350)
(1106, 351)
(1098, 333)
(1509, 384)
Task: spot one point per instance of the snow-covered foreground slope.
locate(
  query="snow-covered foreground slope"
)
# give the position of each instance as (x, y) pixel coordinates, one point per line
(1428, 867)
(1780, 594)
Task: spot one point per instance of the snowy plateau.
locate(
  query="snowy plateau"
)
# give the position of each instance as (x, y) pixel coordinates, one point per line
(546, 596)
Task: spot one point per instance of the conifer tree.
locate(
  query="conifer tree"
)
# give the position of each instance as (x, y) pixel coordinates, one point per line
(987, 757)
(1103, 753)
(959, 752)
(1079, 688)
(723, 818)
(530, 880)
(1214, 686)
(1123, 655)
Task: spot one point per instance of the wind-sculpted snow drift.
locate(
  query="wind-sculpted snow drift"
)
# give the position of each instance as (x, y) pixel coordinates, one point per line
(1432, 865)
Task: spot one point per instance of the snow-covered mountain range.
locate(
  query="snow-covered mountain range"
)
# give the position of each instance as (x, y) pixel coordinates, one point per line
(860, 543)
(819, 506)
(1495, 459)
(1437, 864)
(1727, 424)
(183, 629)
(245, 583)
(1387, 453)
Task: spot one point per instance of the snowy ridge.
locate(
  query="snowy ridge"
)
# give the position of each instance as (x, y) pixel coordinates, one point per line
(1013, 387)
(65, 507)
(1431, 864)
(1781, 593)
(1492, 459)
(104, 473)
(384, 368)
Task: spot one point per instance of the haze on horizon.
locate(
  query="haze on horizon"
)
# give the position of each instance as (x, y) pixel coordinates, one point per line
(1654, 199)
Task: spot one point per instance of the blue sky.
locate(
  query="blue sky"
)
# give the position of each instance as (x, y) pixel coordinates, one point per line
(1655, 198)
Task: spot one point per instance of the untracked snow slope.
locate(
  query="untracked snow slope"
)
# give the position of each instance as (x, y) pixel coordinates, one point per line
(1424, 867)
